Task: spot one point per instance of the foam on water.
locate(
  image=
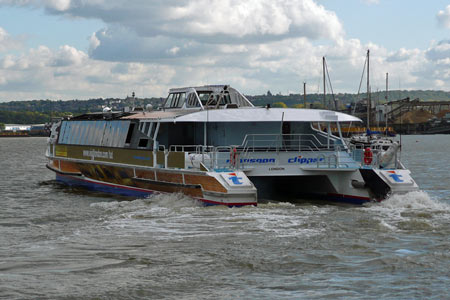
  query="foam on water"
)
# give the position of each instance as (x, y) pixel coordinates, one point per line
(415, 200)
(169, 201)
(411, 211)
(175, 216)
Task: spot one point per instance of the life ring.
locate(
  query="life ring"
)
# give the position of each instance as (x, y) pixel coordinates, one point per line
(368, 156)
(233, 155)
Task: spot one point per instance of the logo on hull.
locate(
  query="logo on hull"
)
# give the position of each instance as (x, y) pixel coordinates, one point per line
(304, 160)
(255, 160)
(235, 179)
(395, 176)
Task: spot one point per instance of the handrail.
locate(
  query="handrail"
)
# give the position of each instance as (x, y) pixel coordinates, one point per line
(285, 142)
(266, 142)
(327, 160)
(226, 157)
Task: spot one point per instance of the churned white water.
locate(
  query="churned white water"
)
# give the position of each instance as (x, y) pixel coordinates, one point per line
(62, 243)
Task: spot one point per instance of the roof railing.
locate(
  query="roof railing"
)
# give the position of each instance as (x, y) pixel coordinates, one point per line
(285, 142)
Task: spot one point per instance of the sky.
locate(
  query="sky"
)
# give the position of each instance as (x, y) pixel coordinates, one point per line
(83, 49)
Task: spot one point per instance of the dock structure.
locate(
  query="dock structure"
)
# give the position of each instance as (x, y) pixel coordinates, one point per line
(408, 116)
(399, 107)
(419, 117)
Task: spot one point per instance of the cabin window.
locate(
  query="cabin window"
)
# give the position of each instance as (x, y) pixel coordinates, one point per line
(192, 101)
(204, 96)
(181, 100)
(212, 99)
(130, 133)
(114, 134)
(226, 99)
(169, 100)
(100, 129)
(143, 143)
(175, 100)
(145, 127)
(94, 133)
(62, 136)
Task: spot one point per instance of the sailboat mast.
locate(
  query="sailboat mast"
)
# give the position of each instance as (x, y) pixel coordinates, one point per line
(387, 100)
(387, 88)
(368, 91)
(324, 83)
(304, 94)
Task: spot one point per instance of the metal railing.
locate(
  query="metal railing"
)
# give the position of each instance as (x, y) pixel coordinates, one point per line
(357, 154)
(286, 142)
(237, 156)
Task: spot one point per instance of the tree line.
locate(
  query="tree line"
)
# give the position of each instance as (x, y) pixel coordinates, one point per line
(42, 111)
(28, 117)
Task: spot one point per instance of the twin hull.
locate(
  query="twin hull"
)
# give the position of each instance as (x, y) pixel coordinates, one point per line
(271, 175)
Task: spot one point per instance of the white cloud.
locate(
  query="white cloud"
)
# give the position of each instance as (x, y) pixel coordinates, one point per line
(42, 57)
(68, 73)
(279, 66)
(173, 50)
(370, 2)
(402, 55)
(443, 17)
(59, 5)
(56, 5)
(206, 20)
(69, 56)
(439, 51)
(7, 42)
(151, 46)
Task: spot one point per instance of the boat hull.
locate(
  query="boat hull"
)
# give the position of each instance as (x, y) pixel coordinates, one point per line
(128, 191)
(72, 175)
(94, 185)
(281, 176)
(305, 187)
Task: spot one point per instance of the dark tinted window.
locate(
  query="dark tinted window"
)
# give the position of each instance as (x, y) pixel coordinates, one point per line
(143, 143)
(129, 134)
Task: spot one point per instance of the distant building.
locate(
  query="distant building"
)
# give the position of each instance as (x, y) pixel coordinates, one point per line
(17, 127)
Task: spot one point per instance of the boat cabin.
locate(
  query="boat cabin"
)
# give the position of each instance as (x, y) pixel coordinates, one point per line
(208, 119)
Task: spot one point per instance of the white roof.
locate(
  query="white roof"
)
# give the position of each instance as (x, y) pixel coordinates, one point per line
(264, 115)
(159, 114)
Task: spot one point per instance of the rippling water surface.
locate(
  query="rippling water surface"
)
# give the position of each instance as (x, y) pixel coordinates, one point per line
(61, 243)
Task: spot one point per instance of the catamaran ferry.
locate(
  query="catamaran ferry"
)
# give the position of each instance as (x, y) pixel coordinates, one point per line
(212, 144)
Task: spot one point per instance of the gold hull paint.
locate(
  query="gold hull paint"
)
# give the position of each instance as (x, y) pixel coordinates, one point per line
(134, 168)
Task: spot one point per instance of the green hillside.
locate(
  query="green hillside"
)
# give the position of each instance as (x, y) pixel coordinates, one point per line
(41, 111)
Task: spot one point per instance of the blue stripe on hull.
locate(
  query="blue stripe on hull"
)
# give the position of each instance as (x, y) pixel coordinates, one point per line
(127, 191)
(100, 187)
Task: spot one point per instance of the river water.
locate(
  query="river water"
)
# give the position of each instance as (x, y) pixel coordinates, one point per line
(62, 243)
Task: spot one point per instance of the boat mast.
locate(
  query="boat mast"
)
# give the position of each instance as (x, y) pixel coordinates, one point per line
(368, 92)
(387, 88)
(387, 100)
(324, 83)
(304, 94)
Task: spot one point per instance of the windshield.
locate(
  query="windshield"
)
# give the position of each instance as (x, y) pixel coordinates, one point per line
(175, 100)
